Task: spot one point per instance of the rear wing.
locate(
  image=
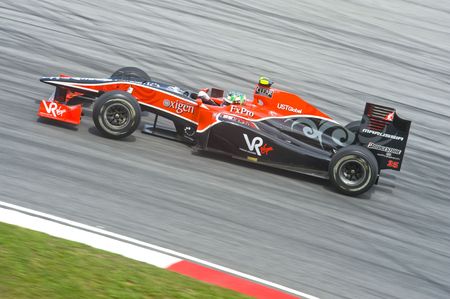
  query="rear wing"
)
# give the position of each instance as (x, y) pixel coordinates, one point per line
(385, 134)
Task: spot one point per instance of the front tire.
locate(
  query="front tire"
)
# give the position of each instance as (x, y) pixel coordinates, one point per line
(116, 114)
(353, 170)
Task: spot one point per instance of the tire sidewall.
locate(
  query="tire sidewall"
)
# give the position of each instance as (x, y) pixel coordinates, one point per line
(120, 98)
(360, 155)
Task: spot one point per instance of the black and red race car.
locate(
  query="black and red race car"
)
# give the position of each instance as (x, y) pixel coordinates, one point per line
(275, 128)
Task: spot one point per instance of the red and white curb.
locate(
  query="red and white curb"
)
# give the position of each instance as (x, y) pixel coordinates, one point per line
(147, 253)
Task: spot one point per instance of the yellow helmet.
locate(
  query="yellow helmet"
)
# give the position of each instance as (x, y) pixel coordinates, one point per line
(264, 81)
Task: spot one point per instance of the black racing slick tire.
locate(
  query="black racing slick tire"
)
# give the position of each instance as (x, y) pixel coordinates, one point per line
(353, 170)
(116, 114)
(353, 126)
(131, 73)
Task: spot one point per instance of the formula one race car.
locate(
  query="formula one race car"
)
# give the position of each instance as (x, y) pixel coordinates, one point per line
(275, 128)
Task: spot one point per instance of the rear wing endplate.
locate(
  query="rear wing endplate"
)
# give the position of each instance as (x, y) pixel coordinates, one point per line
(385, 134)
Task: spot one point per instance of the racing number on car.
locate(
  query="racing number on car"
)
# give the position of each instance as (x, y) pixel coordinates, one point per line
(392, 164)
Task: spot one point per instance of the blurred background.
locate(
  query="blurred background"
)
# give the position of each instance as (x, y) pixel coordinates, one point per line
(392, 242)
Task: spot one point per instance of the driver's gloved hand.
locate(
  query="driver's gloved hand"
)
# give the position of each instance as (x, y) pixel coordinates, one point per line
(203, 96)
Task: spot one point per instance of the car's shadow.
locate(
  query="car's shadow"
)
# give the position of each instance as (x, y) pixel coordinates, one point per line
(322, 183)
(93, 130)
(56, 123)
(260, 167)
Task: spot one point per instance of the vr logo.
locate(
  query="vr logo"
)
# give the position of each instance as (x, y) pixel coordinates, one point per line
(256, 143)
(53, 109)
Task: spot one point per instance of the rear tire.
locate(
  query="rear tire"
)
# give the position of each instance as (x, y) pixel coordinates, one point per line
(353, 170)
(116, 114)
(131, 73)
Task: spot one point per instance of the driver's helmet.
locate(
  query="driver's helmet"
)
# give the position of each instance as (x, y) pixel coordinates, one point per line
(234, 97)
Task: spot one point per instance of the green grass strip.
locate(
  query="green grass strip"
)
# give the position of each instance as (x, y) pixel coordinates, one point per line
(36, 265)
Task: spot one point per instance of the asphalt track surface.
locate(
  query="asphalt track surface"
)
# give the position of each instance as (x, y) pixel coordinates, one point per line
(293, 230)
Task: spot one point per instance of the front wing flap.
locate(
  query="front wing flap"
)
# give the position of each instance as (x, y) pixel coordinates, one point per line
(59, 111)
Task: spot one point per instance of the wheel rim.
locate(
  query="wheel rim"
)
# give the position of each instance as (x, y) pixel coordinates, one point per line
(117, 116)
(353, 172)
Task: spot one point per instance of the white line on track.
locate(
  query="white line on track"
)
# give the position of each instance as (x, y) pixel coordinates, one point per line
(105, 240)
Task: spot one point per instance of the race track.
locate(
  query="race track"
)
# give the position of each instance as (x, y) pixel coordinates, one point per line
(293, 230)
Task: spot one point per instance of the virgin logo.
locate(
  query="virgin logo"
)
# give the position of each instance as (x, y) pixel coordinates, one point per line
(266, 149)
(53, 108)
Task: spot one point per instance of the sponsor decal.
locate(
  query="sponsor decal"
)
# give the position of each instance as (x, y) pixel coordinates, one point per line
(241, 110)
(54, 109)
(179, 107)
(388, 156)
(392, 164)
(383, 148)
(153, 84)
(264, 91)
(255, 146)
(80, 79)
(237, 119)
(389, 117)
(381, 134)
(89, 79)
(288, 108)
(266, 149)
